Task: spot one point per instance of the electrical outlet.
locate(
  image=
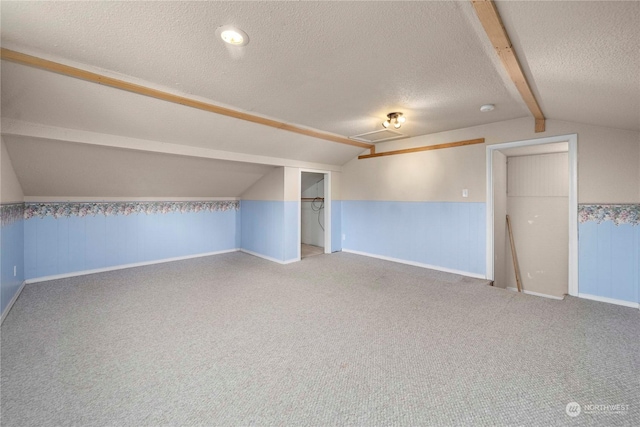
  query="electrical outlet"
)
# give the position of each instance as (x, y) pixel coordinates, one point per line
(344, 237)
(15, 271)
(465, 192)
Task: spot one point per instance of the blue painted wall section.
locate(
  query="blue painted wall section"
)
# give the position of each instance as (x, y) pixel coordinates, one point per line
(59, 245)
(291, 230)
(11, 252)
(336, 225)
(270, 228)
(262, 223)
(609, 252)
(441, 234)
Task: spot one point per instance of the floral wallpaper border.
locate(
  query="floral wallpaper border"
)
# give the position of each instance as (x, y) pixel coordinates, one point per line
(10, 213)
(81, 209)
(618, 214)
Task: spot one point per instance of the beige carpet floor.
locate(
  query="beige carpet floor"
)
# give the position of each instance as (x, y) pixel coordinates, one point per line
(336, 340)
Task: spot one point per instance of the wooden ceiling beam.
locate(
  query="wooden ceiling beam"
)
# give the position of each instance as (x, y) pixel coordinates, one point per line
(424, 148)
(493, 26)
(55, 67)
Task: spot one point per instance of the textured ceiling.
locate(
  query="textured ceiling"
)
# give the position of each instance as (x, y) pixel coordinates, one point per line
(583, 56)
(335, 66)
(49, 168)
(37, 96)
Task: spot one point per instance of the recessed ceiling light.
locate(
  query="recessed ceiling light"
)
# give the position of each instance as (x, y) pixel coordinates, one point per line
(487, 107)
(232, 35)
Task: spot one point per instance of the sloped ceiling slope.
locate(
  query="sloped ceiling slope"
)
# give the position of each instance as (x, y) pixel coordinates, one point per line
(37, 96)
(309, 179)
(583, 57)
(335, 66)
(48, 168)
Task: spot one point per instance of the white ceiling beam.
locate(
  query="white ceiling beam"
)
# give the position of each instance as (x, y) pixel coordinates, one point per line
(493, 26)
(35, 130)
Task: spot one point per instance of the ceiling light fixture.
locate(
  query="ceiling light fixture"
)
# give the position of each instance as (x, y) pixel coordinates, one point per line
(487, 107)
(232, 35)
(396, 118)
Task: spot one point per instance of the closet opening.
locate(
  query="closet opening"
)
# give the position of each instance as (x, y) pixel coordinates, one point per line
(314, 214)
(534, 184)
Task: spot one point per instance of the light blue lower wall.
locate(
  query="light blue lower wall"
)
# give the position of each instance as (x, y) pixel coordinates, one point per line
(238, 229)
(336, 225)
(270, 228)
(11, 254)
(609, 259)
(67, 244)
(262, 227)
(441, 234)
(291, 230)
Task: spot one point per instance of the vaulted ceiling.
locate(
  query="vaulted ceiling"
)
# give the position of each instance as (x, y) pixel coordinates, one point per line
(337, 67)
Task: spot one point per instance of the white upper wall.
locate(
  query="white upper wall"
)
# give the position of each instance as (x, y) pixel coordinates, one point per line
(58, 169)
(269, 187)
(10, 189)
(291, 184)
(608, 167)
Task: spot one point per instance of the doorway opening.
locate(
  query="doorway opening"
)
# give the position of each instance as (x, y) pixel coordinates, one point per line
(314, 214)
(535, 183)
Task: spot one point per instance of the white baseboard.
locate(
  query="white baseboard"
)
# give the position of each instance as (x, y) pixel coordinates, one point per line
(417, 264)
(7, 309)
(609, 300)
(537, 294)
(268, 258)
(123, 266)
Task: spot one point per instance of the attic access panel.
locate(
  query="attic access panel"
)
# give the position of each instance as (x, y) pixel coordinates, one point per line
(378, 136)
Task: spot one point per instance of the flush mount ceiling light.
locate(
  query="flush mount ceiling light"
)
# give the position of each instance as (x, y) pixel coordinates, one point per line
(396, 118)
(487, 107)
(232, 35)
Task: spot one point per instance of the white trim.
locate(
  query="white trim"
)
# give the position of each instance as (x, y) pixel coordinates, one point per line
(537, 294)
(416, 264)
(572, 139)
(489, 224)
(327, 209)
(7, 309)
(268, 258)
(123, 266)
(610, 300)
(573, 215)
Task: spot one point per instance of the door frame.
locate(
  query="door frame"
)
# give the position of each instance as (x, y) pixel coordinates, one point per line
(572, 139)
(327, 209)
